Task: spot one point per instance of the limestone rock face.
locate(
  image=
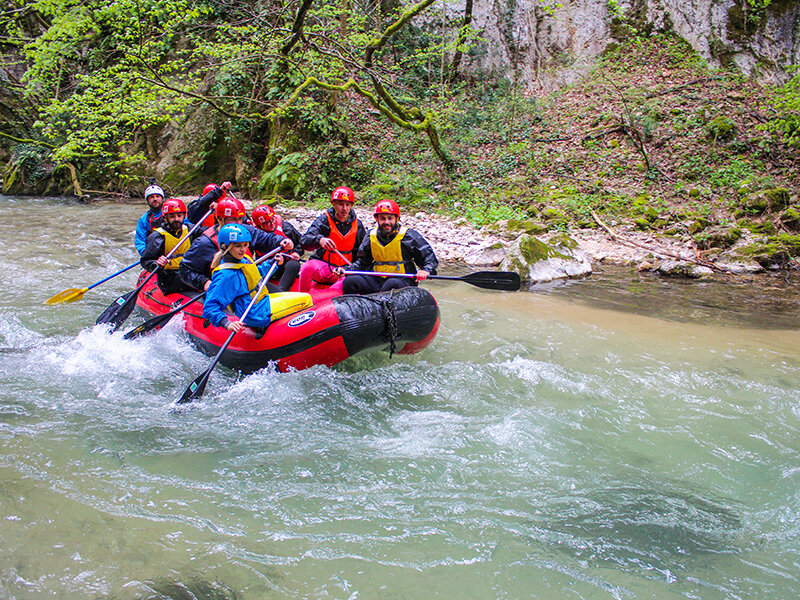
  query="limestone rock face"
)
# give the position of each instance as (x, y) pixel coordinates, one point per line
(548, 50)
(539, 262)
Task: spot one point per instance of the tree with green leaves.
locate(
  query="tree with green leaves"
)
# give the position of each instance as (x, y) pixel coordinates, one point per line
(100, 80)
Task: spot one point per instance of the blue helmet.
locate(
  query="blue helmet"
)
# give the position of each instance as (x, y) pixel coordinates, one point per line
(233, 232)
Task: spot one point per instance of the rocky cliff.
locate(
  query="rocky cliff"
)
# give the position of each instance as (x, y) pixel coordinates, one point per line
(545, 48)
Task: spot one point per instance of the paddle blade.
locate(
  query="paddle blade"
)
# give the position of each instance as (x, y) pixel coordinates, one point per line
(494, 280)
(119, 310)
(149, 325)
(70, 295)
(196, 388)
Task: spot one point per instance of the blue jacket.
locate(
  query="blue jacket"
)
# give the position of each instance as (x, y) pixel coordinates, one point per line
(146, 223)
(229, 287)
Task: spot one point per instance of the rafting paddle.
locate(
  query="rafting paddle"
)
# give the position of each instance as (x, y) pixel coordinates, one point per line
(198, 386)
(122, 307)
(161, 320)
(347, 262)
(491, 280)
(75, 294)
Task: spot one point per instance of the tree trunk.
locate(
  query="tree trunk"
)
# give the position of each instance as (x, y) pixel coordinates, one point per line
(462, 37)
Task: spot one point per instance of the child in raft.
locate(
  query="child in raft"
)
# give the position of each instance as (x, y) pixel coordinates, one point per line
(234, 282)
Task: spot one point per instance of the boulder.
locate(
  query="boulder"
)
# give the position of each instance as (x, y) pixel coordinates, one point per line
(486, 255)
(679, 268)
(538, 262)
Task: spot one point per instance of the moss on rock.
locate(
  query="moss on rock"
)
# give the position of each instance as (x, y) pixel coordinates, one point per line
(525, 226)
(756, 226)
(721, 128)
(756, 203)
(791, 218)
(698, 225)
(776, 250)
(534, 250)
(718, 238)
(554, 216)
(562, 240)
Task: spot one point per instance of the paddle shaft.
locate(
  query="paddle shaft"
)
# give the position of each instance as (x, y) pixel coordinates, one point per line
(406, 275)
(490, 280)
(198, 386)
(342, 256)
(160, 320)
(118, 316)
(73, 294)
(120, 272)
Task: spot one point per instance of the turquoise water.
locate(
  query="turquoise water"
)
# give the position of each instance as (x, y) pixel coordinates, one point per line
(548, 444)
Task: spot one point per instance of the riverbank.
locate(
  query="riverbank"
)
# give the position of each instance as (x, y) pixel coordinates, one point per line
(642, 251)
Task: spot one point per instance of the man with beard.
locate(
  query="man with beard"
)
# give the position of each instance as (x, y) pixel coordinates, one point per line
(154, 196)
(162, 240)
(390, 248)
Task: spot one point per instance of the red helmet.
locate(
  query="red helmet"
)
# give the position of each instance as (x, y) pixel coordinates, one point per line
(390, 207)
(173, 205)
(343, 193)
(262, 214)
(229, 208)
(239, 204)
(210, 187)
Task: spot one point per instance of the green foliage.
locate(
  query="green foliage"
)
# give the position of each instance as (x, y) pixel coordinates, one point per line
(289, 176)
(786, 103)
(31, 163)
(106, 77)
(734, 172)
(482, 213)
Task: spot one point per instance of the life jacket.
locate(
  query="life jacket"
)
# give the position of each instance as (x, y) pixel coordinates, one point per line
(345, 244)
(153, 219)
(388, 258)
(251, 274)
(170, 242)
(211, 233)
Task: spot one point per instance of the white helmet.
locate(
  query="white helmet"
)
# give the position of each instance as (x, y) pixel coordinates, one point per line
(153, 189)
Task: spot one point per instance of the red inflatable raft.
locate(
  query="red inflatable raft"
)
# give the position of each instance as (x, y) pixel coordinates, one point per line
(334, 328)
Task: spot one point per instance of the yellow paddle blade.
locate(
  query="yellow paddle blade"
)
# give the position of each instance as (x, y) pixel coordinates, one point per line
(70, 295)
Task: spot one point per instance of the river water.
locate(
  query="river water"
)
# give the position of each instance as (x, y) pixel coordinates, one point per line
(618, 437)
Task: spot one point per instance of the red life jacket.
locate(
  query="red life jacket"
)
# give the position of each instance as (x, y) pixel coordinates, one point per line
(344, 243)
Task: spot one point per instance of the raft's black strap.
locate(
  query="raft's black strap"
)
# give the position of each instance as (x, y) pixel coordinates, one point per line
(389, 317)
(391, 324)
